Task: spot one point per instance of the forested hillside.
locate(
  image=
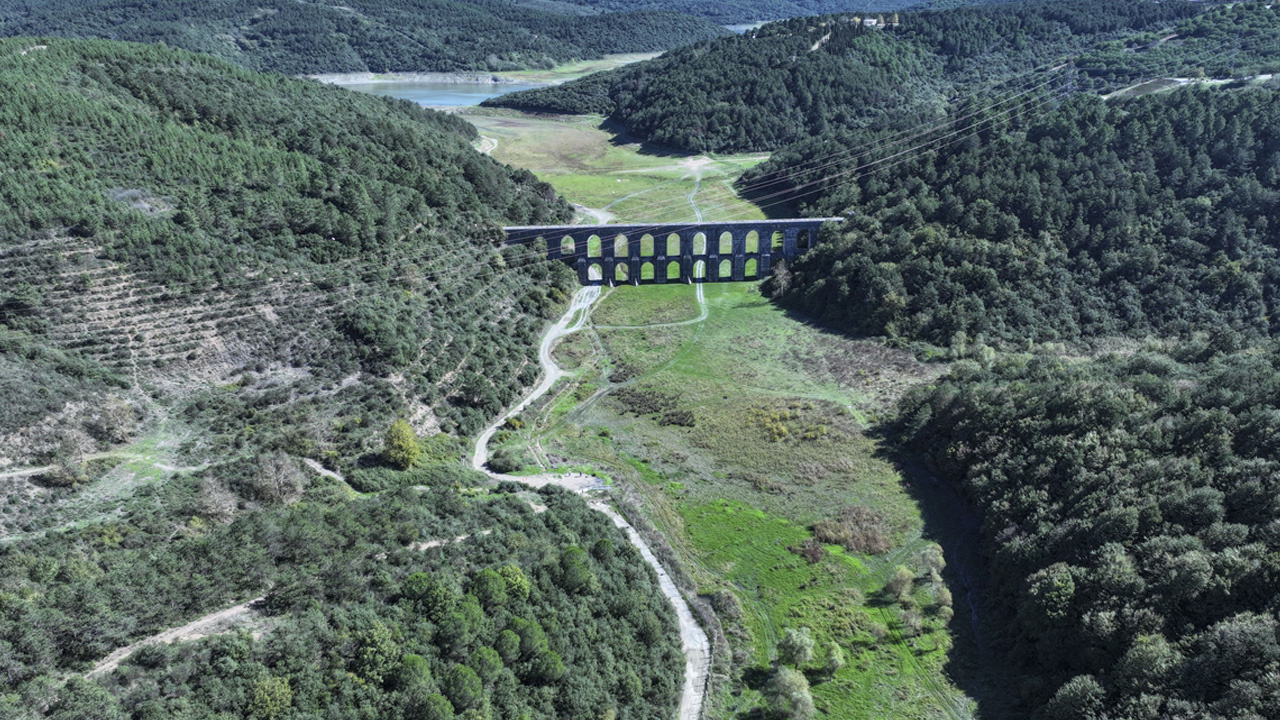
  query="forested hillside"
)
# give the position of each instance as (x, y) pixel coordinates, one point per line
(335, 36)
(293, 264)
(806, 77)
(1094, 219)
(1130, 515)
(371, 610)
(211, 275)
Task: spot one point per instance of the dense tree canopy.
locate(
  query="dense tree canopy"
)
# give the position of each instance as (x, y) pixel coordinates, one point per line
(1152, 215)
(331, 36)
(743, 11)
(824, 77)
(1130, 515)
(367, 617)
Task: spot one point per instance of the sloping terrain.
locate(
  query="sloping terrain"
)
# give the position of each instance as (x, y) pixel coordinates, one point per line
(271, 255)
(210, 273)
(806, 84)
(1096, 219)
(744, 11)
(332, 36)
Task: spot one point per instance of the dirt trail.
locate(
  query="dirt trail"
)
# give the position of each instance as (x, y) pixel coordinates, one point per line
(211, 624)
(697, 185)
(573, 320)
(693, 641)
(322, 470)
(602, 216)
(25, 472)
(444, 541)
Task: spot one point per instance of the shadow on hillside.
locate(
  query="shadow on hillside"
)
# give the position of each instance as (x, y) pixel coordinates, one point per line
(772, 200)
(977, 665)
(620, 137)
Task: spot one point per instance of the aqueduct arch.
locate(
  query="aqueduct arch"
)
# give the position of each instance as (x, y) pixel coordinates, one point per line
(722, 252)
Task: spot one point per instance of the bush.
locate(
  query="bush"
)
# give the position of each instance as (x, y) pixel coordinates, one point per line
(507, 459)
(787, 693)
(858, 529)
(380, 479)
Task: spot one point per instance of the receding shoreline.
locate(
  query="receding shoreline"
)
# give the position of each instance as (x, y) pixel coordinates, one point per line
(549, 76)
(459, 78)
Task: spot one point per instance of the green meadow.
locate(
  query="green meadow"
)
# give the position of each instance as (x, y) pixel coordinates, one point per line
(611, 178)
(740, 429)
(740, 432)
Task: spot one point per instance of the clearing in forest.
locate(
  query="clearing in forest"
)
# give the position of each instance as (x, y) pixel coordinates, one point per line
(609, 177)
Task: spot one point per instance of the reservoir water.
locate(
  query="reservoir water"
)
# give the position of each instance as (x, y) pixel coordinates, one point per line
(439, 93)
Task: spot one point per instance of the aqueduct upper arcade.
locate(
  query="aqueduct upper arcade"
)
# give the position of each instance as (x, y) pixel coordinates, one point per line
(673, 252)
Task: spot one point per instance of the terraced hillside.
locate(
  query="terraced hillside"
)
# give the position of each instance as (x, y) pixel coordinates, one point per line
(248, 253)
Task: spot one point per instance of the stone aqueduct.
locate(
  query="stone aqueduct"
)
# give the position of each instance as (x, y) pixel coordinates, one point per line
(672, 252)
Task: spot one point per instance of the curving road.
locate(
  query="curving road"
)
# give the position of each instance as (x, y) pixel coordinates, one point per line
(693, 640)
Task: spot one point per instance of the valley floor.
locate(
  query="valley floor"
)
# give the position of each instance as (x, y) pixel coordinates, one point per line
(735, 428)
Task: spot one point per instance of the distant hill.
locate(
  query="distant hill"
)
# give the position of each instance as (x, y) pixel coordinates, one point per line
(332, 36)
(246, 246)
(801, 78)
(743, 11)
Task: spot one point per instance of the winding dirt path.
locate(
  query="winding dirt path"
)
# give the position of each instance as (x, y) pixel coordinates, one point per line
(211, 624)
(693, 640)
(697, 185)
(572, 321)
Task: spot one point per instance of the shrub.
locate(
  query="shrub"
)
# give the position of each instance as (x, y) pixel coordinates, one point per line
(787, 693)
(858, 529)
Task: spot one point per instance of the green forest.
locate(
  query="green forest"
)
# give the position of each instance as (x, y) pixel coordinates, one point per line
(240, 270)
(248, 322)
(1130, 513)
(246, 226)
(818, 82)
(329, 36)
(745, 11)
(525, 615)
(1146, 216)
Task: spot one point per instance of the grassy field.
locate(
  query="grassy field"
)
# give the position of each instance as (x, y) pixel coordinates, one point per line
(741, 432)
(610, 178)
(740, 428)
